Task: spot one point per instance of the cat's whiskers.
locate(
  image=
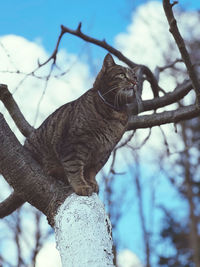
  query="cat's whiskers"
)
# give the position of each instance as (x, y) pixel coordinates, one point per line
(121, 96)
(126, 98)
(112, 89)
(117, 99)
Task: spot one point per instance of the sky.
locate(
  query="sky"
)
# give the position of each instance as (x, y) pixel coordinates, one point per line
(29, 30)
(41, 19)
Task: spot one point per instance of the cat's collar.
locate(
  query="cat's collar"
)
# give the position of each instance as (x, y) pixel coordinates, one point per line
(109, 104)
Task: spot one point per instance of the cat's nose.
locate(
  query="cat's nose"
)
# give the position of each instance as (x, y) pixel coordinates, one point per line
(134, 82)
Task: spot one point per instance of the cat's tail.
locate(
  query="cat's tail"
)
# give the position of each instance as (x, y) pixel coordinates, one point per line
(10, 204)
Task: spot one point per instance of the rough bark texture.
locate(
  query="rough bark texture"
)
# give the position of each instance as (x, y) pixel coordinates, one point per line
(10, 204)
(26, 176)
(83, 233)
(14, 111)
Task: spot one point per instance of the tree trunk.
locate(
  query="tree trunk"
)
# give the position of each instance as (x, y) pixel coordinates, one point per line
(83, 233)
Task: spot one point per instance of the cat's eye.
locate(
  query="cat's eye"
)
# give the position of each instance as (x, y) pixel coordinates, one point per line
(121, 76)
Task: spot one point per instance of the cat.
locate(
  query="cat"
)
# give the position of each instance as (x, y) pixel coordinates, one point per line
(75, 141)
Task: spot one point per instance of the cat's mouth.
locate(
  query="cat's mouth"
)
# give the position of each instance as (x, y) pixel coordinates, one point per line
(130, 91)
(132, 96)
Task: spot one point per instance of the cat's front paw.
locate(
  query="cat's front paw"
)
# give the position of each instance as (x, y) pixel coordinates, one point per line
(84, 190)
(95, 187)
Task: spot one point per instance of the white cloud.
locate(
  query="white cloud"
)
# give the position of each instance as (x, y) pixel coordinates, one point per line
(147, 40)
(48, 256)
(140, 42)
(126, 258)
(19, 54)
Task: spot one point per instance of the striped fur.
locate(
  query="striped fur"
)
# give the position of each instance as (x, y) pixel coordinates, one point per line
(75, 142)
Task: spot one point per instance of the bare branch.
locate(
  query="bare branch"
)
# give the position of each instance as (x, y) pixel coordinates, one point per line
(43, 93)
(10, 204)
(12, 107)
(38, 235)
(170, 65)
(4, 261)
(146, 71)
(102, 44)
(139, 146)
(54, 54)
(181, 45)
(17, 233)
(145, 232)
(174, 116)
(168, 99)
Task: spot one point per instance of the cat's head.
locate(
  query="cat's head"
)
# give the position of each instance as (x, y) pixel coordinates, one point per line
(116, 85)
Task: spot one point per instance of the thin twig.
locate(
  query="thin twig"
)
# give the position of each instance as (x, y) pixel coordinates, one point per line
(43, 93)
(54, 54)
(139, 192)
(165, 141)
(38, 234)
(17, 234)
(181, 45)
(170, 65)
(142, 143)
(123, 144)
(8, 55)
(146, 71)
(102, 44)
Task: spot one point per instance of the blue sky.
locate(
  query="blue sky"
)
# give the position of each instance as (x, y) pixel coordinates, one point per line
(41, 19)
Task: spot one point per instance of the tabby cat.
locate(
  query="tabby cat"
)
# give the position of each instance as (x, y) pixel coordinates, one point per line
(75, 142)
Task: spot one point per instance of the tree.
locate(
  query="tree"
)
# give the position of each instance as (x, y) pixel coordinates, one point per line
(183, 233)
(26, 177)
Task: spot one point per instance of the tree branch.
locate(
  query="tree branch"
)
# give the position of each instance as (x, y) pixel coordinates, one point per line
(181, 45)
(54, 54)
(102, 44)
(26, 176)
(146, 71)
(14, 111)
(168, 99)
(174, 116)
(10, 204)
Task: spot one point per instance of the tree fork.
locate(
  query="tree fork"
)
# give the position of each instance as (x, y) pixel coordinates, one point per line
(26, 177)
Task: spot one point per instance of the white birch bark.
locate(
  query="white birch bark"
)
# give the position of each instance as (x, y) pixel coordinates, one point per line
(83, 233)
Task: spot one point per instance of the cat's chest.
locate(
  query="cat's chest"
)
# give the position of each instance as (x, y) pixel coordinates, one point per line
(105, 135)
(101, 144)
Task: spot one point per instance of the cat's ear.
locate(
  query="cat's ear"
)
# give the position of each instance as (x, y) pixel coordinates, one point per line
(108, 61)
